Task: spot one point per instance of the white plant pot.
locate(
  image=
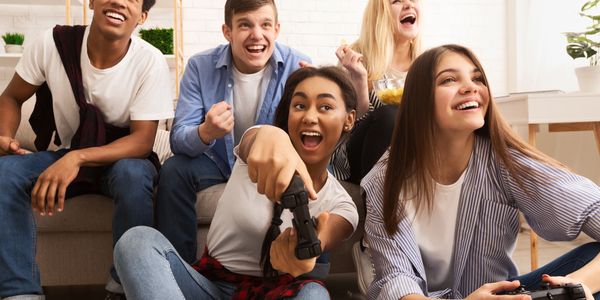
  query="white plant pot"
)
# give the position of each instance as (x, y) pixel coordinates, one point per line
(13, 48)
(588, 79)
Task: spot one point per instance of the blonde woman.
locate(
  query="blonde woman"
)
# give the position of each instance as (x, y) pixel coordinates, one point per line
(389, 41)
(387, 45)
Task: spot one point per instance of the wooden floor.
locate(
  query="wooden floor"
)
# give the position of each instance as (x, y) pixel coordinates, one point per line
(343, 286)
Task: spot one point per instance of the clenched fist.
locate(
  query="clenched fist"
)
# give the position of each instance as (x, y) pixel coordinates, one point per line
(217, 123)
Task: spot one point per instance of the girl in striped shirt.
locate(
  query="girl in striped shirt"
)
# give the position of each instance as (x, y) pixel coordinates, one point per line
(443, 203)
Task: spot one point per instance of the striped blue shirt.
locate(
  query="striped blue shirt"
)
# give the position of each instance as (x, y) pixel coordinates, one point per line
(558, 207)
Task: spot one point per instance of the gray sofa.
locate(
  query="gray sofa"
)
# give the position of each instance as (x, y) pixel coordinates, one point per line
(75, 247)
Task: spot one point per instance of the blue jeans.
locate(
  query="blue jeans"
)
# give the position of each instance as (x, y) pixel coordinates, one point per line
(129, 182)
(181, 177)
(565, 264)
(150, 268)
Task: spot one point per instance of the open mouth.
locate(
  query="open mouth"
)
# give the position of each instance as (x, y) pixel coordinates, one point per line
(409, 19)
(467, 105)
(311, 139)
(256, 49)
(115, 16)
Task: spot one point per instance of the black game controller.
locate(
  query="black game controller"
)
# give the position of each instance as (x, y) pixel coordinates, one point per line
(295, 198)
(563, 292)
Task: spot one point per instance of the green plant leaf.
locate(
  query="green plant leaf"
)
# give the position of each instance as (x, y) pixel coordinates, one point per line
(575, 51)
(161, 38)
(592, 17)
(589, 5)
(13, 38)
(589, 52)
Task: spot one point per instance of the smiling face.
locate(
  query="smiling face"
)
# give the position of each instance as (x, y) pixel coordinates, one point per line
(317, 118)
(117, 19)
(252, 38)
(406, 16)
(461, 96)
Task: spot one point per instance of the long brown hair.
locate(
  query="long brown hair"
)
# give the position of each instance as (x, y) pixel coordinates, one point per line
(412, 162)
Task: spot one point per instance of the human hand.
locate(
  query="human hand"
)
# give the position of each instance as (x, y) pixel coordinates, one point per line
(283, 255)
(562, 280)
(489, 291)
(51, 186)
(273, 161)
(10, 146)
(305, 64)
(352, 61)
(217, 123)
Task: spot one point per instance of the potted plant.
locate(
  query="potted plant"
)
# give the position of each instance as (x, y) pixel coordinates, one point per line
(161, 38)
(583, 45)
(13, 42)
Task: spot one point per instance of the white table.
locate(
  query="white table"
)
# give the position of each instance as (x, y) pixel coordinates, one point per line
(561, 111)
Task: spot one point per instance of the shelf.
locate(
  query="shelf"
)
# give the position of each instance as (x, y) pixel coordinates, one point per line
(9, 59)
(170, 60)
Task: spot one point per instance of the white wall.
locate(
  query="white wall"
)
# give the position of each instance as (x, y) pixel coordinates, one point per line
(315, 27)
(538, 61)
(494, 29)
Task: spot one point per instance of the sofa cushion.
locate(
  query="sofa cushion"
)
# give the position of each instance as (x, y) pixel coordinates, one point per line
(85, 213)
(206, 203)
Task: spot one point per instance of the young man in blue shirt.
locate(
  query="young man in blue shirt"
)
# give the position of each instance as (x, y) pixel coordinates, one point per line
(224, 91)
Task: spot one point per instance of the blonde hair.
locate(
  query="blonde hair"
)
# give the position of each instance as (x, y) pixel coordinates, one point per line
(376, 40)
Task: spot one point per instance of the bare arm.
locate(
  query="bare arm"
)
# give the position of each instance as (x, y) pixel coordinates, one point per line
(335, 232)
(331, 230)
(11, 100)
(272, 161)
(138, 144)
(353, 62)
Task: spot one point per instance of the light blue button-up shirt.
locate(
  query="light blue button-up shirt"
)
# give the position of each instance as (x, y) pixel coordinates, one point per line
(208, 79)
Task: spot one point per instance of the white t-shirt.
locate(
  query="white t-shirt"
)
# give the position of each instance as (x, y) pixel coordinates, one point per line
(248, 93)
(435, 234)
(243, 216)
(136, 88)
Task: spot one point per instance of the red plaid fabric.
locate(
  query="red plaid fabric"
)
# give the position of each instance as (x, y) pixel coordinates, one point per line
(251, 287)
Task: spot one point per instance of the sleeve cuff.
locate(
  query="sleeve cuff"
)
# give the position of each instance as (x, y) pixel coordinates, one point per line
(192, 142)
(399, 287)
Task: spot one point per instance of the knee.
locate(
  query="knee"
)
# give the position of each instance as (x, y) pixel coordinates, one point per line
(175, 169)
(134, 242)
(590, 250)
(133, 169)
(132, 176)
(313, 290)
(16, 181)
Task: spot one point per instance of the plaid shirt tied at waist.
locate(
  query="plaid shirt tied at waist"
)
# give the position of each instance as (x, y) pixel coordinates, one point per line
(251, 287)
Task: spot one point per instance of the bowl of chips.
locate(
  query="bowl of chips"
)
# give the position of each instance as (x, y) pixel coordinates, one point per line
(389, 90)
